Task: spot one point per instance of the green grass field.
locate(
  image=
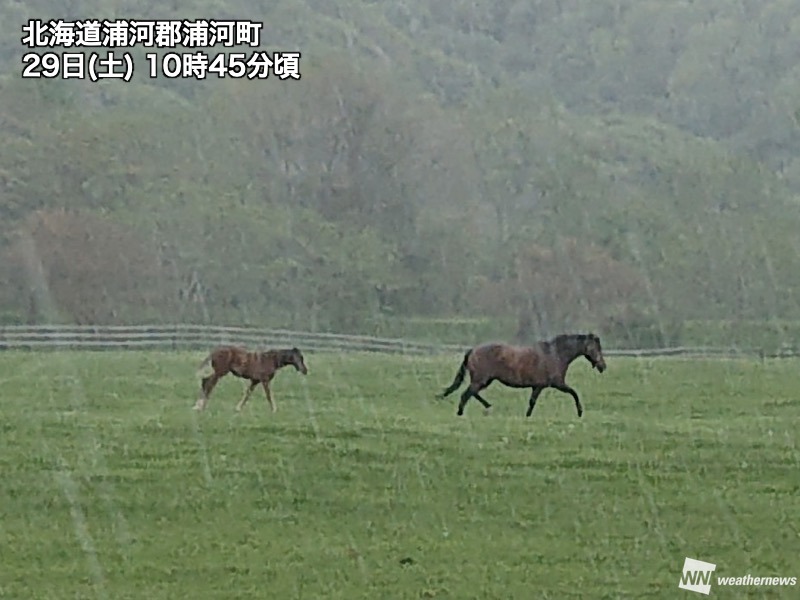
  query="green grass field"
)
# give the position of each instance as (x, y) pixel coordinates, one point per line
(363, 486)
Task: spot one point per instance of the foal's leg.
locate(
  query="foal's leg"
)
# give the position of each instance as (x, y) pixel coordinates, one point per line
(206, 386)
(269, 395)
(535, 391)
(568, 390)
(246, 395)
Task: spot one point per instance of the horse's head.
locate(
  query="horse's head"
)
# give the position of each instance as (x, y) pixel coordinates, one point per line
(593, 352)
(296, 359)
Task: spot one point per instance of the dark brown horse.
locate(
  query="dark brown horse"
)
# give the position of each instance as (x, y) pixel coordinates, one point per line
(537, 367)
(258, 367)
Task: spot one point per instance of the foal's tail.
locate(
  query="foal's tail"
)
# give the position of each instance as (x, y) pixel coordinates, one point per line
(462, 372)
(203, 364)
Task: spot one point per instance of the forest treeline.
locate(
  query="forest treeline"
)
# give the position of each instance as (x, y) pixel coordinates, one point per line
(629, 166)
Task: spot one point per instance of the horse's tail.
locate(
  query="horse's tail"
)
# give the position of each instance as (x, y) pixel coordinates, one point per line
(202, 365)
(462, 372)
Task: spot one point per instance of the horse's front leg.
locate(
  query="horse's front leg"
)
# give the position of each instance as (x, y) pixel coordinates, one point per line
(535, 391)
(563, 387)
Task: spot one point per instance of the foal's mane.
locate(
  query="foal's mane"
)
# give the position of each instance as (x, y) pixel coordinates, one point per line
(282, 354)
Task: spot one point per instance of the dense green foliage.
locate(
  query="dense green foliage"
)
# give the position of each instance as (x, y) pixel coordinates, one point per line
(621, 165)
(363, 486)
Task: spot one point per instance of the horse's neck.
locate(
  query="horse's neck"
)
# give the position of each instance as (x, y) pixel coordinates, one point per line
(273, 359)
(568, 354)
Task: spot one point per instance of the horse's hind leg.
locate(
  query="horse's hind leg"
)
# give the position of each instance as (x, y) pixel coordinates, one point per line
(246, 395)
(532, 401)
(463, 401)
(568, 390)
(471, 391)
(486, 405)
(481, 399)
(206, 386)
(269, 396)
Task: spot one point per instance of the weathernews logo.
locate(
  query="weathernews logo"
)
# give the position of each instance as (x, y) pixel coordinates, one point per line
(697, 577)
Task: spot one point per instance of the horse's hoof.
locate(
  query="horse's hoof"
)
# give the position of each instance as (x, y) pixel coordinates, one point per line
(487, 411)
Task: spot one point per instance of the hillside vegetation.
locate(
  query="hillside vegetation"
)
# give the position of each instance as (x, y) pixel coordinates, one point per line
(629, 166)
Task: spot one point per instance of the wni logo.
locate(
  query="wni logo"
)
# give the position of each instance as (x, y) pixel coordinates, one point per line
(696, 576)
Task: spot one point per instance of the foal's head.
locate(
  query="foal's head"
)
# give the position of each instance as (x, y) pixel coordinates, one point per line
(295, 358)
(593, 351)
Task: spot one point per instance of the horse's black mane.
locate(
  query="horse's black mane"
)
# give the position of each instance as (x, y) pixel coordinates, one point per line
(564, 337)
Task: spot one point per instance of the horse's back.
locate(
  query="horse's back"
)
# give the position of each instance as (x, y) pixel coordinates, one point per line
(508, 363)
(487, 348)
(228, 354)
(501, 350)
(497, 354)
(226, 350)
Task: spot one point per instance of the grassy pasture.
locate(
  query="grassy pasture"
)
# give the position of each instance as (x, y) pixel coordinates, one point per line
(362, 486)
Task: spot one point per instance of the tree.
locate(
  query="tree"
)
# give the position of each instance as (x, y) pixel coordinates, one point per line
(85, 269)
(572, 284)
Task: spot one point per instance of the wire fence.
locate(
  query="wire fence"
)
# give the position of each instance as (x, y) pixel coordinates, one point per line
(201, 337)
